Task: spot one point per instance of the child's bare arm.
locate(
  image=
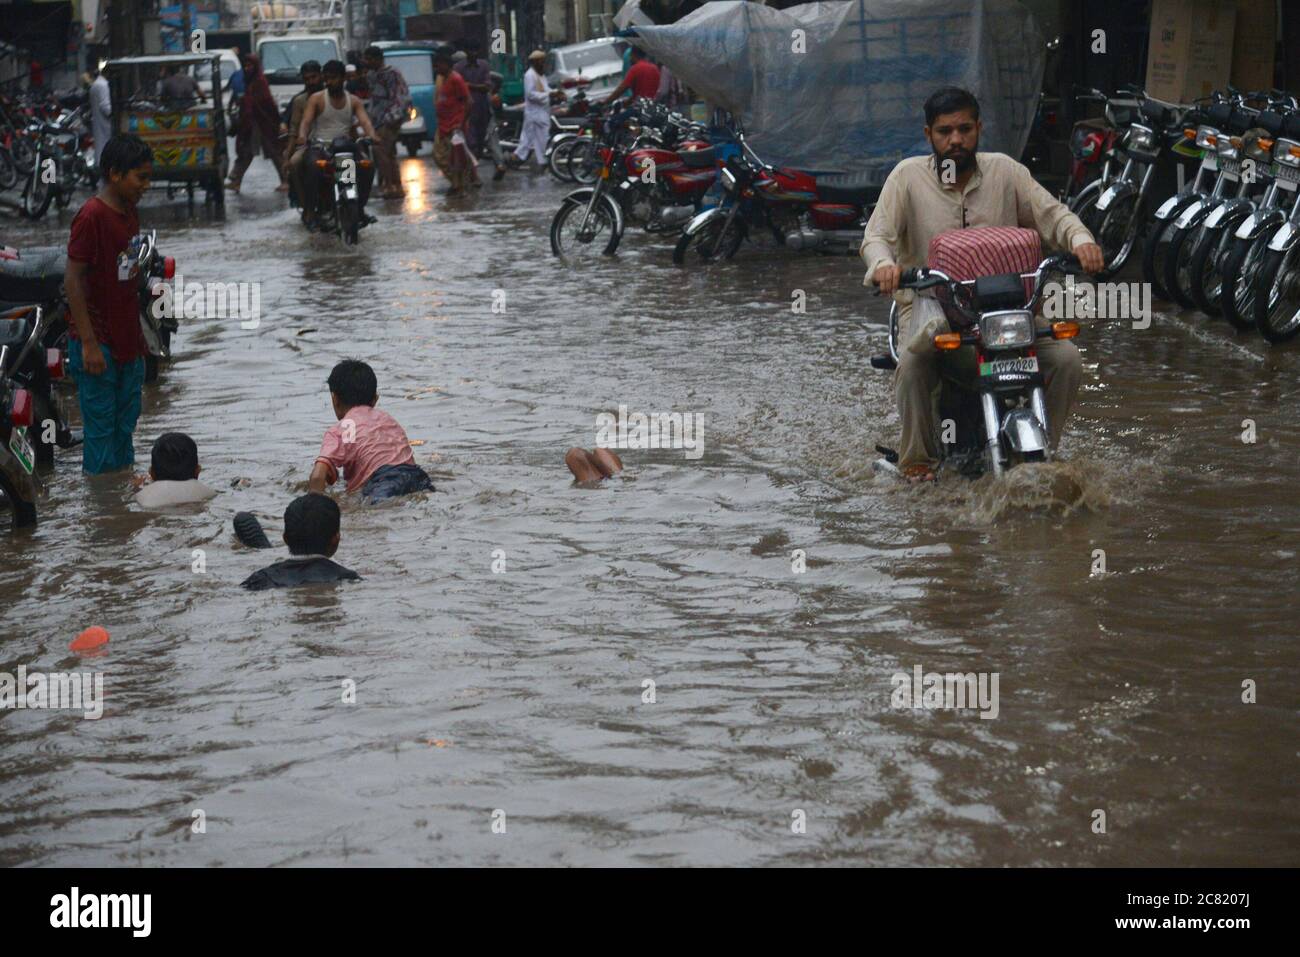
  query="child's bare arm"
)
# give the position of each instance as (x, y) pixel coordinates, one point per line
(74, 283)
(322, 477)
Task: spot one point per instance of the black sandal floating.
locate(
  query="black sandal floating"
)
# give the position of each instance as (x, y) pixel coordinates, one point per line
(249, 530)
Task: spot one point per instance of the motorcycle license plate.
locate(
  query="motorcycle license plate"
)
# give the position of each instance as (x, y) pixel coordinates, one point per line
(22, 449)
(1287, 176)
(1001, 366)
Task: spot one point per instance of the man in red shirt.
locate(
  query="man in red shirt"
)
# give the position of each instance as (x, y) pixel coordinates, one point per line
(106, 351)
(642, 78)
(450, 151)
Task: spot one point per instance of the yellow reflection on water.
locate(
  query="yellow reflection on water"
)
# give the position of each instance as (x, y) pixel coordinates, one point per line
(413, 172)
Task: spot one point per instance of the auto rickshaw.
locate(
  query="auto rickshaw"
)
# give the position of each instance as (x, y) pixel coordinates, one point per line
(188, 137)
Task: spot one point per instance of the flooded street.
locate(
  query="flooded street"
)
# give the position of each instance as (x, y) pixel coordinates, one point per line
(523, 691)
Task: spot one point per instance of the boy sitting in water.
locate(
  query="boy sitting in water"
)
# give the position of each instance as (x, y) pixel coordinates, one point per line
(174, 474)
(311, 530)
(594, 465)
(368, 445)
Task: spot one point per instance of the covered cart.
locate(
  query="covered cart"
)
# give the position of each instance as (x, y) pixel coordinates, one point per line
(188, 137)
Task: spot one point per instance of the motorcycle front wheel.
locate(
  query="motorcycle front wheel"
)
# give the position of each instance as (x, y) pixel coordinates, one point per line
(1277, 295)
(1239, 267)
(1115, 232)
(8, 171)
(558, 162)
(37, 196)
(570, 242)
(1204, 276)
(1155, 257)
(1178, 264)
(584, 161)
(349, 220)
(717, 240)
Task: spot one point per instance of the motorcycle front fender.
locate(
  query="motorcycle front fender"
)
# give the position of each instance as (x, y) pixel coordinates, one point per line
(1226, 210)
(1194, 212)
(700, 220)
(1286, 236)
(1023, 431)
(1258, 222)
(1171, 207)
(1115, 192)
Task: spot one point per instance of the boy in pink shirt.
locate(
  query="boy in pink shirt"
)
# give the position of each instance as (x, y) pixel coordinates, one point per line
(367, 445)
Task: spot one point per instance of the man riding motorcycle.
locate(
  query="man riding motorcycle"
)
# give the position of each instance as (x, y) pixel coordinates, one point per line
(329, 114)
(956, 188)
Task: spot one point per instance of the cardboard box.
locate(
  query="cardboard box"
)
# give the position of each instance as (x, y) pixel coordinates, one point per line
(1189, 52)
(1254, 44)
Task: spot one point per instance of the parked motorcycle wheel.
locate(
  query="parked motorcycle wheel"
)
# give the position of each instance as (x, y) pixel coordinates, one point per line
(1115, 232)
(710, 243)
(1204, 275)
(1239, 268)
(1155, 257)
(1178, 264)
(36, 197)
(558, 161)
(24, 154)
(1277, 295)
(8, 171)
(603, 229)
(22, 514)
(584, 161)
(151, 361)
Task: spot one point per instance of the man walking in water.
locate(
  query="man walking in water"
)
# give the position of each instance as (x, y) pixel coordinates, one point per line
(537, 111)
(956, 188)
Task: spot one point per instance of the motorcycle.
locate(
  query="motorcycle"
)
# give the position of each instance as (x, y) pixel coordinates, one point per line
(802, 210)
(18, 481)
(992, 389)
(1277, 281)
(1092, 149)
(338, 202)
(1118, 217)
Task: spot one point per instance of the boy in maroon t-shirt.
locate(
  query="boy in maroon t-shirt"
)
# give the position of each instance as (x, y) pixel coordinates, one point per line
(106, 351)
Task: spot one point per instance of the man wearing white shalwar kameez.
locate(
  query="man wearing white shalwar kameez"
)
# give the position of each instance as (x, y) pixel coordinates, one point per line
(537, 111)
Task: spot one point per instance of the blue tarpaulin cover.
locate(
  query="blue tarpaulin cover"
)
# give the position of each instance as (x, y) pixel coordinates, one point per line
(841, 86)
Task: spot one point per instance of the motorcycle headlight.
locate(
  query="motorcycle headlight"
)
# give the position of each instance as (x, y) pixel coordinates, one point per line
(728, 179)
(1227, 149)
(1207, 137)
(1013, 329)
(1141, 137)
(1287, 152)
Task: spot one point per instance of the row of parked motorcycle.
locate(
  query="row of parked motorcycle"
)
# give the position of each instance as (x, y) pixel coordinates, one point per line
(34, 321)
(46, 152)
(1227, 242)
(651, 167)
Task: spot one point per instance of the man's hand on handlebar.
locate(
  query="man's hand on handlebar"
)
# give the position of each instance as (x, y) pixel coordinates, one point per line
(886, 278)
(1090, 257)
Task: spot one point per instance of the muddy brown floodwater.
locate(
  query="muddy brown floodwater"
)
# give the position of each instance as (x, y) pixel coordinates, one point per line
(524, 691)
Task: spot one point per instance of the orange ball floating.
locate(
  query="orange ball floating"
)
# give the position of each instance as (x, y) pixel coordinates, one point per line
(90, 639)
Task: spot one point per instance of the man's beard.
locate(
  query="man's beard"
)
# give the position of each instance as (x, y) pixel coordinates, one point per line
(962, 160)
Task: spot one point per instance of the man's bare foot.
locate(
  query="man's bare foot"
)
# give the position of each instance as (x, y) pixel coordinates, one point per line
(592, 466)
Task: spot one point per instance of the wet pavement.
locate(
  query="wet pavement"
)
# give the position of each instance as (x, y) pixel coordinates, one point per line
(519, 697)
